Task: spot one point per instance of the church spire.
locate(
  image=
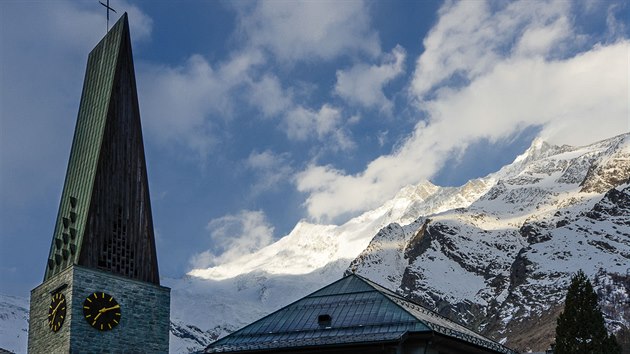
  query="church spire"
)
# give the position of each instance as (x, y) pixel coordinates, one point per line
(104, 220)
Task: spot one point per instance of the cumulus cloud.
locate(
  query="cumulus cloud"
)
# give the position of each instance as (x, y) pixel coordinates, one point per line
(233, 236)
(615, 26)
(271, 169)
(470, 37)
(309, 30)
(268, 96)
(324, 125)
(363, 84)
(576, 101)
(182, 104)
(488, 73)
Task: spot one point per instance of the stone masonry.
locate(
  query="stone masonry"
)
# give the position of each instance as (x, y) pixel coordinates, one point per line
(144, 325)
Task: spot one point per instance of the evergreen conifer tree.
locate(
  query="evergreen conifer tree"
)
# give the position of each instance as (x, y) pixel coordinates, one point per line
(580, 326)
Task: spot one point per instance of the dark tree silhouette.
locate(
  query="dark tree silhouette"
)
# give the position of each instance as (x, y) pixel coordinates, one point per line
(580, 326)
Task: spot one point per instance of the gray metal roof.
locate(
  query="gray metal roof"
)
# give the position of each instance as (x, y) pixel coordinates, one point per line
(439, 323)
(360, 311)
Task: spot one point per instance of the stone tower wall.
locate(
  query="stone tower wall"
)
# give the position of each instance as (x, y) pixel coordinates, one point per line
(144, 325)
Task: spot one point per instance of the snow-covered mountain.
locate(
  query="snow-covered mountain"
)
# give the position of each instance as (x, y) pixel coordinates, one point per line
(502, 264)
(13, 323)
(496, 253)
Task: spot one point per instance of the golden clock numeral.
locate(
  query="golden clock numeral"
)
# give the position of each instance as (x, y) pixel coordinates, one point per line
(61, 317)
(115, 321)
(86, 307)
(110, 326)
(101, 326)
(102, 295)
(88, 316)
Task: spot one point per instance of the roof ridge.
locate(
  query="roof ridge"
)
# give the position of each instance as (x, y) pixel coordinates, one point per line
(351, 305)
(397, 295)
(434, 326)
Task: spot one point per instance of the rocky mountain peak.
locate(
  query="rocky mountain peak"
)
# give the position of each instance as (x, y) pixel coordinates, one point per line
(420, 191)
(502, 263)
(495, 254)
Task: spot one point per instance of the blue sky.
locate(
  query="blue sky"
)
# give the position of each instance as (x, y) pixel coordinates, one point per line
(259, 114)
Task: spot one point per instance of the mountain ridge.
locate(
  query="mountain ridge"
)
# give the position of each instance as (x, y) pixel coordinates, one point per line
(546, 188)
(494, 254)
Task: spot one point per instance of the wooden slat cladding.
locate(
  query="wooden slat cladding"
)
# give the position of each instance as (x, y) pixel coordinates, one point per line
(118, 234)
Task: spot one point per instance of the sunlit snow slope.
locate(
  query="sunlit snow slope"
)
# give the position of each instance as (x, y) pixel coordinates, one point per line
(496, 253)
(13, 323)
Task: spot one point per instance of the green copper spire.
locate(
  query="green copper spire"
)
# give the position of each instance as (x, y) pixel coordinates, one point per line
(104, 219)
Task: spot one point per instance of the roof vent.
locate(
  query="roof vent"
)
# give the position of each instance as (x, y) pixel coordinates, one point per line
(324, 321)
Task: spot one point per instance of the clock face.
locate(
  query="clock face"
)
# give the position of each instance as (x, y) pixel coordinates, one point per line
(56, 311)
(101, 311)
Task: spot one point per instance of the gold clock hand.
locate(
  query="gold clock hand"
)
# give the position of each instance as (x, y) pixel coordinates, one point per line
(105, 309)
(57, 307)
(54, 312)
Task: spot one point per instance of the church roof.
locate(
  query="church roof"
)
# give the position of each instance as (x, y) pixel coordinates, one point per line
(106, 172)
(351, 310)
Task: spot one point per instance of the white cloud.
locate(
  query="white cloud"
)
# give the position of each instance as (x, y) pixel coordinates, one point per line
(309, 30)
(471, 37)
(539, 40)
(577, 101)
(234, 236)
(615, 27)
(140, 24)
(363, 84)
(488, 73)
(323, 125)
(272, 170)
(382, 137)
(181, 104)
(267, 95)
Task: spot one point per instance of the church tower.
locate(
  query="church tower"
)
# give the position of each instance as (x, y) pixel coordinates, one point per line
(101, 290)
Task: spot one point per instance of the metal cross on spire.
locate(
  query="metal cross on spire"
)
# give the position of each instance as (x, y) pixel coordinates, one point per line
(108, 8)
